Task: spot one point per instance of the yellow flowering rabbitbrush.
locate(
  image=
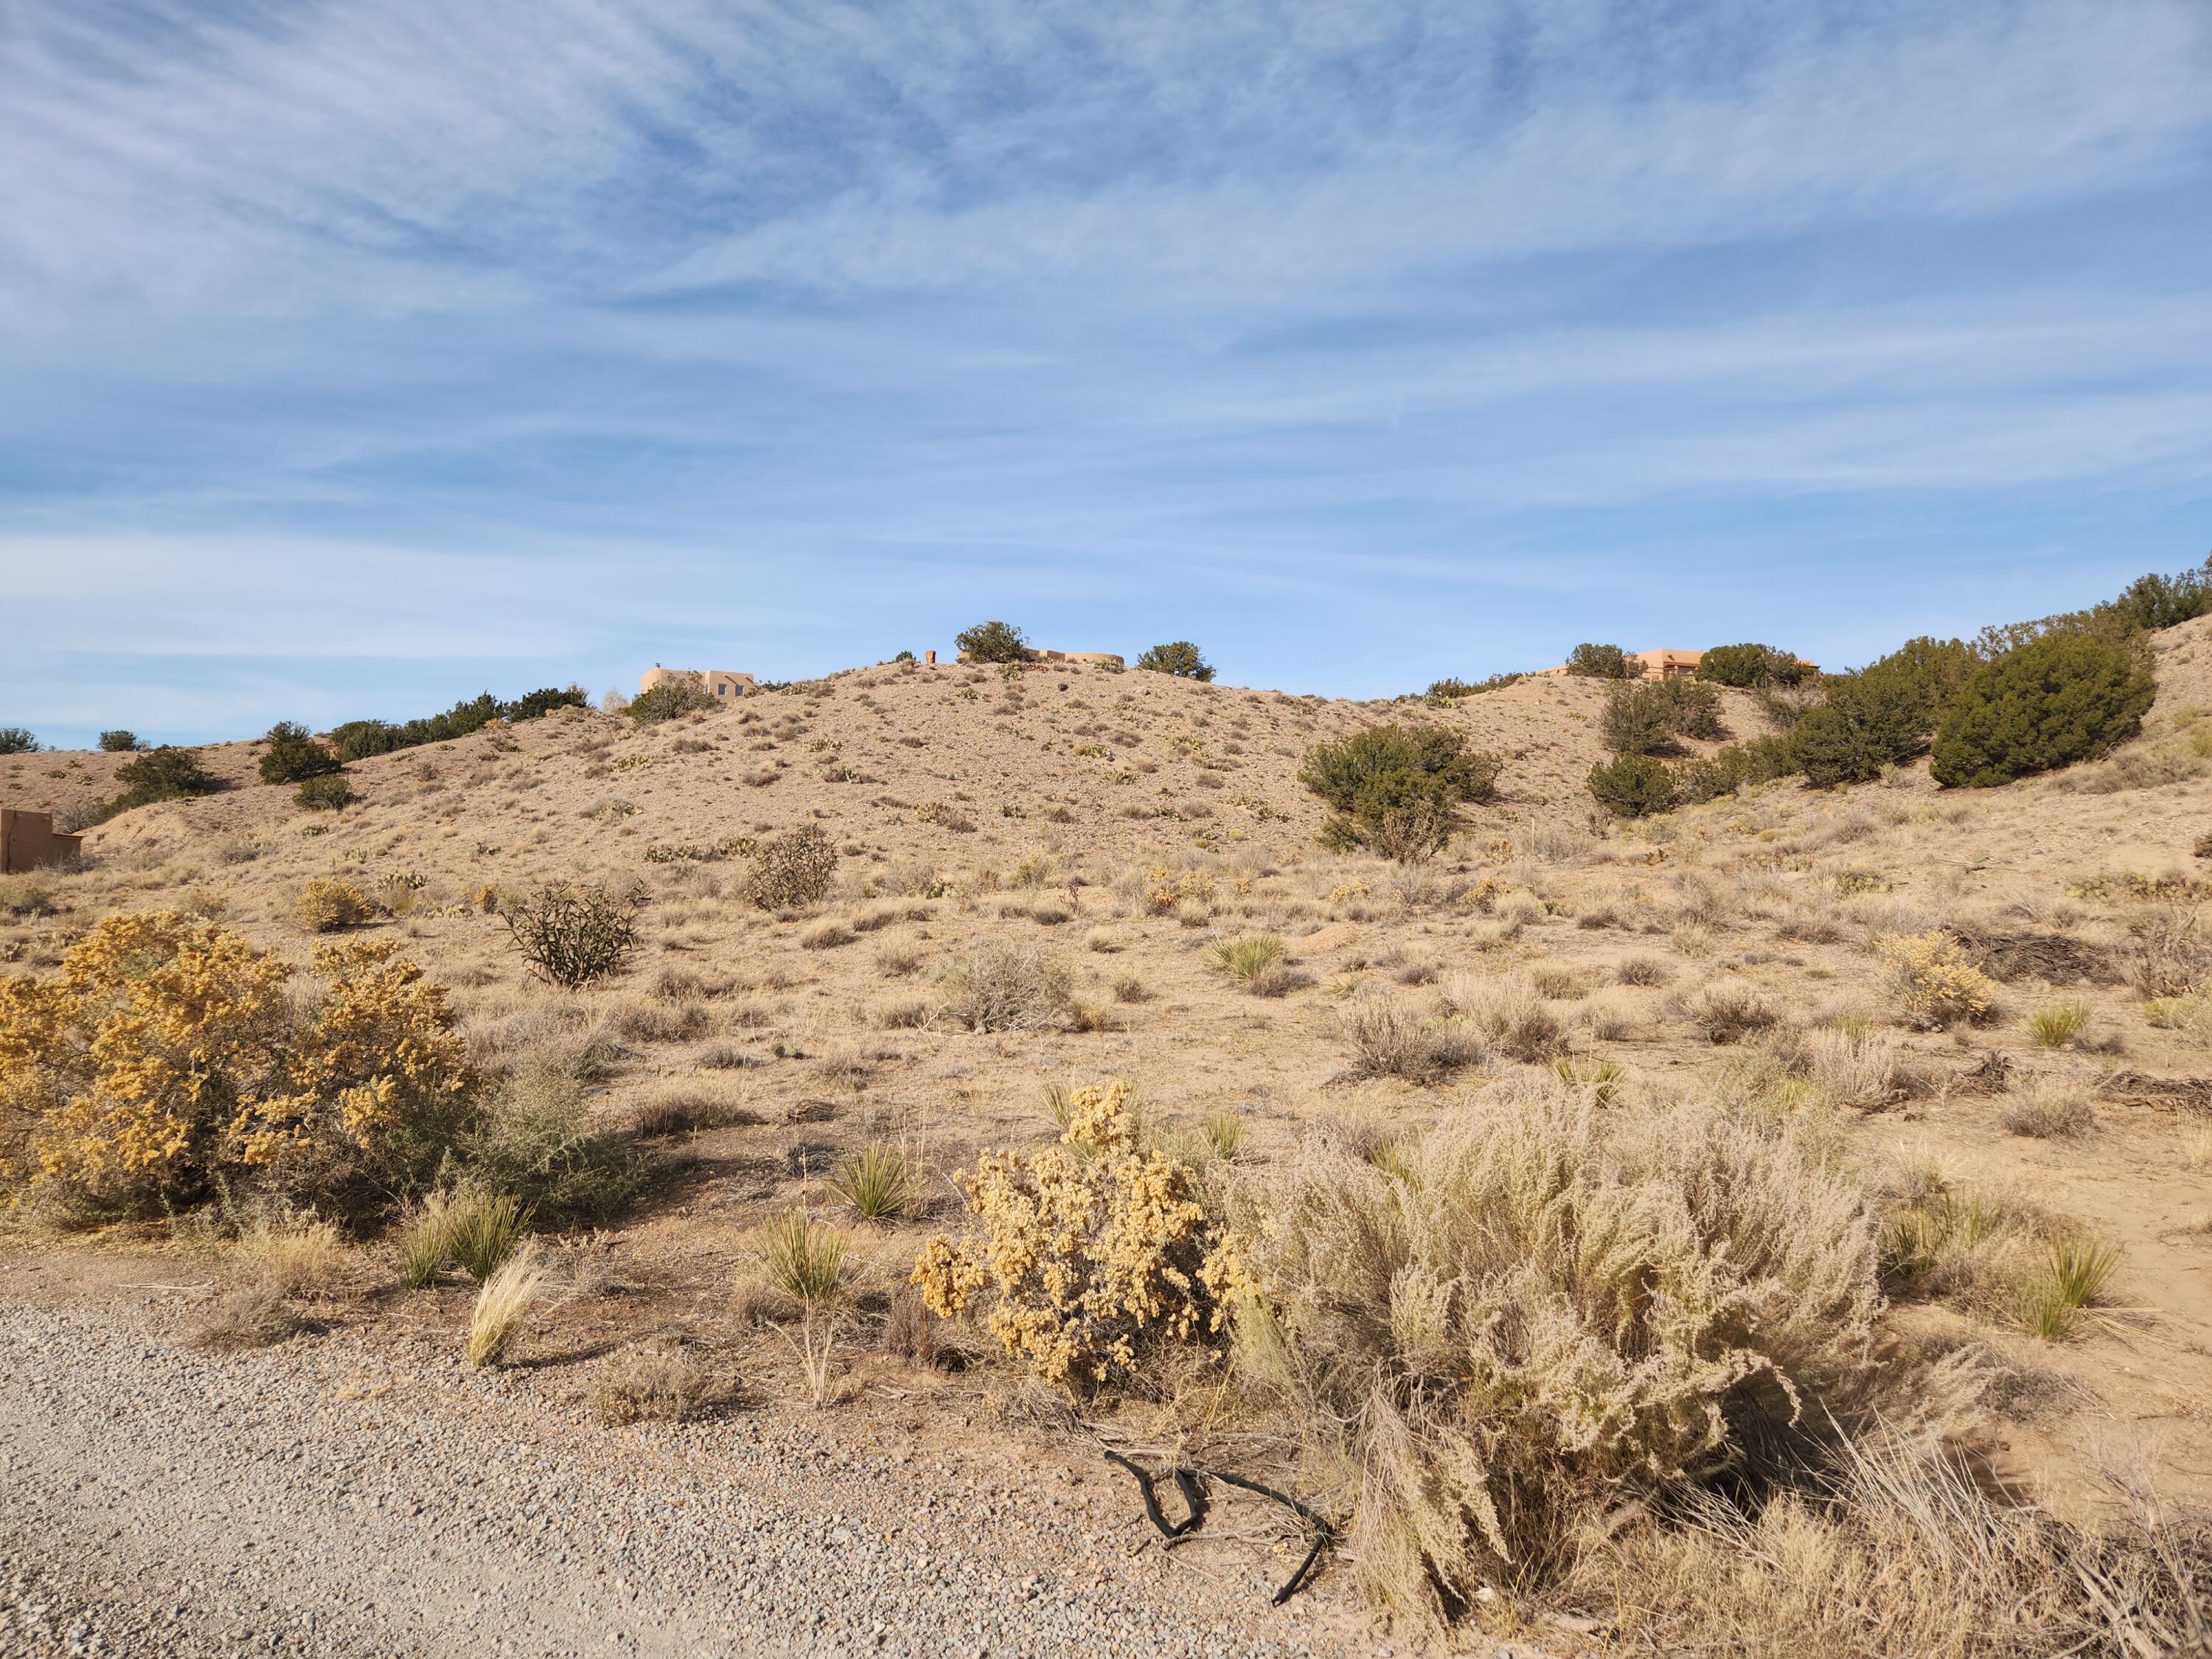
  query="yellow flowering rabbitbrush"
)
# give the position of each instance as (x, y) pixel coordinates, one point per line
(1089, 1249)
(1935, 982)
(168, 1056)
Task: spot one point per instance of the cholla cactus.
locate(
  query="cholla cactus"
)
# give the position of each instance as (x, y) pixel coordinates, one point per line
(1089, 1249)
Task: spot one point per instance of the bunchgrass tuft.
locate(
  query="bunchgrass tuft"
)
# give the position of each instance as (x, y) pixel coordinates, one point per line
(502, 1304)
(2059, 1024)
(482, 1232)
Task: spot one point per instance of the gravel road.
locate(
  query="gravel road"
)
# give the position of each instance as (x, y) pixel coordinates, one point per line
(362, 1494)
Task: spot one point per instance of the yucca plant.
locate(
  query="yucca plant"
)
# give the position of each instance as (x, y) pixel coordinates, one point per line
(482, 1232)
(877, 1182)
(803, 1258)
(1225, 1131)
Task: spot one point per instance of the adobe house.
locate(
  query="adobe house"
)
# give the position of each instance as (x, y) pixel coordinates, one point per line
(30, 840)
(1659, 663)
(718, 682)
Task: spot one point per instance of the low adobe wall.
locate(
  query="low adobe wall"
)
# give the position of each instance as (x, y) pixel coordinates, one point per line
(29, 840)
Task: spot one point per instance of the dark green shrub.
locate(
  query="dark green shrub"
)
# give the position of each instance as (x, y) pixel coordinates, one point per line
(359, 739)
(328, 793)
(18, 740)
(570, 935)
(1751, 666)
(1442, 693)
(2053, 702)
(539, 1143)
(293, 755)
(669, 699)
(1180, 658)
(1725, 770)
(1397, 789)
(906, 656)
(1603, 662)
(162, 774)
(992, 641)
(1648, 717)
(792, 870)
(1882, 715)
(1632, 786)
(120, 743)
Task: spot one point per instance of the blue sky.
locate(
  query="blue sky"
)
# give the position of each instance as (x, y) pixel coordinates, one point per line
(356, 357)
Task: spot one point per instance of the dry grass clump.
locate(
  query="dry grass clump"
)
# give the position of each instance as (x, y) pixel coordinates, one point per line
(826, 936)
(1896, 1548)
(1090, 1252)
(1392, 1038)
(1642, 970)
(1471, 1333)
(292, 1263)
(249, 1315)
(1853, 1070)
(1934, 982)
(1003, 986)
(1995, 1258)
(325, 907)
(2048, 1108)
(1510, 1014)
(1729, 1014)
(655, 1382)
(503, 1305)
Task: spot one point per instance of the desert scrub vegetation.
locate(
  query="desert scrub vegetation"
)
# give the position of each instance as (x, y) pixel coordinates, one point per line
(1254, 962)
(293, 756)
(1088, 1253)
(992, 641)
(1467, 1330)
(654, 1382)
(159, 775)
(670, 700)
(1651, 717)
(504, 1305)
(880, 1182)
(1178, 657)
(1397, 789)
(1748, 667)
(1933, 981)
(571, 935)
(792, 870)
(327, 907)
(169, 1061)
(1003, 985)
(1391, 1037)
(359, 739)
(2048, 704)
(1632, 786)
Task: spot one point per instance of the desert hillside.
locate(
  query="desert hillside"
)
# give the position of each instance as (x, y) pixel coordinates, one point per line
(1120, 830)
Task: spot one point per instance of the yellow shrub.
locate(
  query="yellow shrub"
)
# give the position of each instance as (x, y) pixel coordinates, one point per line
(168, 1055)
(1934, 980)
(326, 905)
(1089, 1247)
(1166, 890)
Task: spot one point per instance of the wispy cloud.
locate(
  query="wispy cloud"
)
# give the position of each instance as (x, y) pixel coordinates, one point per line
(531, 332)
